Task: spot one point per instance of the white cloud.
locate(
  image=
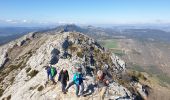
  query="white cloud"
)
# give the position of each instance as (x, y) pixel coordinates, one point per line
(25, 21)
(11, 21)
(67, 22)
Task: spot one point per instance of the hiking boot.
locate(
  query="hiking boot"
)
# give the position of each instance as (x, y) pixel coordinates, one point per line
(84, 95)
(54, 83)
(78, 96)
(66, 90)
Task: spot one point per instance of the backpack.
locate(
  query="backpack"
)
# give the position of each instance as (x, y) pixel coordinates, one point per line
(78, 78)
(53, 71)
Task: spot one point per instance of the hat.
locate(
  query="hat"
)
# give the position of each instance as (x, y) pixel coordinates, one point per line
(99, 73)
(77, 66)
(79, 69)
(64, 70)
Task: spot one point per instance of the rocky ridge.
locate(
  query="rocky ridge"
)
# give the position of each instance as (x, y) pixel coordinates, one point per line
(23, 75)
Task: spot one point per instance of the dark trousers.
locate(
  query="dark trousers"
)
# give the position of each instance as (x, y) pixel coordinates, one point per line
(63, 85)
(52, 78)
(92, 62)
(77, 87)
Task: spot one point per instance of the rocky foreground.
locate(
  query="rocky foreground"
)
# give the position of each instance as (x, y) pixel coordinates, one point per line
(23, 76)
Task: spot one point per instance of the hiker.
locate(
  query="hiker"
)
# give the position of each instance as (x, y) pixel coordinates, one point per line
(92, 61)
(63, 78)
(78, 81)
(103, 82)
(51, 72)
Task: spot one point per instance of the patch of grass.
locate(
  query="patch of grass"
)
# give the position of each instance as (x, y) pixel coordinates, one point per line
(33, 73)
(1, 79)
(34, 87)
(14, 67)
(137, 75)
(40, 88)
(72, 48)
(118, 52)
(1, 92)
(122, 82)
(28, 69)
(110, 43)
(80, 54)
(9, 97)
(96, 51)
(12, 80)
(3, 73)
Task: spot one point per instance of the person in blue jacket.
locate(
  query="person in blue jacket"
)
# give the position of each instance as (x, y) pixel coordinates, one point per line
(78, 81)
(51, 73)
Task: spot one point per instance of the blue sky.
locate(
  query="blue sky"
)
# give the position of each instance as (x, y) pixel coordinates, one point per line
(84, 11)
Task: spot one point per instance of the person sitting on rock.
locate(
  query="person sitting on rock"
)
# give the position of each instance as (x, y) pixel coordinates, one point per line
(51, 72)
(78, 81)
(63, 78)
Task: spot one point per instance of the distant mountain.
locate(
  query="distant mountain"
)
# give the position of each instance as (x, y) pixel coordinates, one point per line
(6, 31)
(141, 33)
(147, 34)
(8, 34)
(95, 32)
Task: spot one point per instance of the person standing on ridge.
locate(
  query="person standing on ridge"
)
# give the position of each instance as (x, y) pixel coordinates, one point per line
(63, 78)
(51, 72)
(78, 81)
(92, 61)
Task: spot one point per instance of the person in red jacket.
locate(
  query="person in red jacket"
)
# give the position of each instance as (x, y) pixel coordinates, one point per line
(103, 82)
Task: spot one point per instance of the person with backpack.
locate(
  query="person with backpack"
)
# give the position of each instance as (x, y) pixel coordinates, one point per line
(63, 78)
(51, 73)
(78, 81)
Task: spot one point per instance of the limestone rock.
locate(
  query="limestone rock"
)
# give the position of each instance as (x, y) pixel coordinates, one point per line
(31, 81)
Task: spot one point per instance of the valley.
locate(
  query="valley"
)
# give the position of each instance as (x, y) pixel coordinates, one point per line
(152, 59)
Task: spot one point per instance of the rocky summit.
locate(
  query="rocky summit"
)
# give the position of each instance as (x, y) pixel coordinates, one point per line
(23, 75)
